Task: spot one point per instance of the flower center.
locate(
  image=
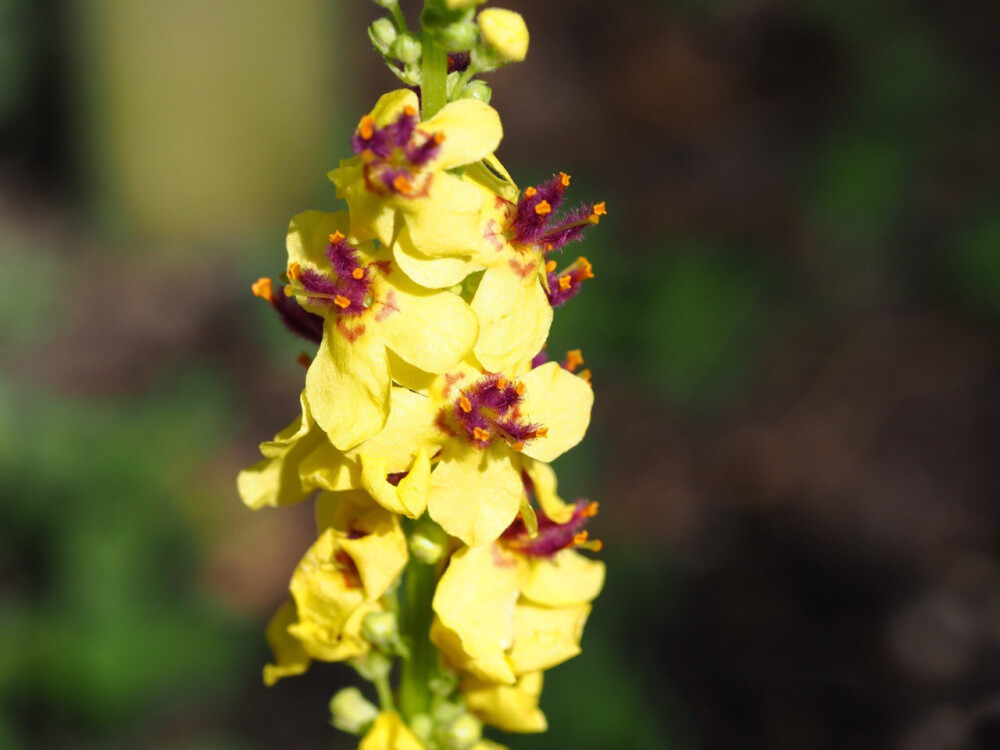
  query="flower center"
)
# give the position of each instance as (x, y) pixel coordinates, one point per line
(395, 155)
(346, 291)
(488, 410)
(553, 537)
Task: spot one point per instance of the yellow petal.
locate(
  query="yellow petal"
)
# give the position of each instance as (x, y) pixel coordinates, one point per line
(512, 708)
(566, 579)
(433, 273)
(409, 497)
(389, 733)
(341, 511)
(409, 428)
(390, 106)
(327, 468)
(447, 221)
(474, 602)
(276, 480)
(371, 215)
(309, 234)
(560, 401)
(544, 637)
(289, 657)
(472, 131)
(543, 477)
(492, 175)
(514, 314)
(381, 554)
(431, 330)
(325, 643)
(348, 385)
(474, 494)
(410, 377)
(488, 745)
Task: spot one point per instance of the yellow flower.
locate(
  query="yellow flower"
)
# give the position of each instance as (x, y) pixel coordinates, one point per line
(402, 168)
(389, 732)
(506, 32)
(360, 552)
(512, 708)
(275, 481)
(491, 423)
(519, 287)
(369, 307)
(518, 605)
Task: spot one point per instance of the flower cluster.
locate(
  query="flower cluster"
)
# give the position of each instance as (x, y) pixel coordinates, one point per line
(430, 412)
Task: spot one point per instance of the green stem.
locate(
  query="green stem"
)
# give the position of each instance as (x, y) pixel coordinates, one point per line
(397, 14)
(384, 693)
(434, 76)
(414, 693)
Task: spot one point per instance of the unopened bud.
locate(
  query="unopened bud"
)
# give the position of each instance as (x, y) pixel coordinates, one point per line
(422, 726)
(381, 629)
(406, 49)
(386, 3)
(428, 543)
(506, 32)
(477, 90)
(351, 712)
(373, 666)
(458, 36)
(462, 733)
(383, 33)
(461, 4)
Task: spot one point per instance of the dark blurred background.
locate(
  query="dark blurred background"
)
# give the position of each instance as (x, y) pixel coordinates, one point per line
(793, 331)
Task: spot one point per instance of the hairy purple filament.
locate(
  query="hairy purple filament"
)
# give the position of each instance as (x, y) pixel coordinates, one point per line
(488, 409)
(552, 537)
(395, 154)
(348, 292)
(297, 319)
(534, 220)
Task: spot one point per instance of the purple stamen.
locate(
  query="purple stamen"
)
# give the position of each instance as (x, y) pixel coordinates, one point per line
(296, 318)
(552, 537)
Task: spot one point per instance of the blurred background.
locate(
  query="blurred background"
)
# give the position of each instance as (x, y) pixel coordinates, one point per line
(793, 331)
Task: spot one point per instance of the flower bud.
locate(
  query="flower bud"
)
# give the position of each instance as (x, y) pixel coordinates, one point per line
(477, 90)
(461, 4)
(381, 629)
(351, 712)
(462, 733)
(458, 36)
(373, 666)
(506, 32)
(428, 543)
(383, 33)
(422, 725)
(406, 49)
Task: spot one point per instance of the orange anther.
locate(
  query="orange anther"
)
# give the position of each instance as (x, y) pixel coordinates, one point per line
(366, 128)
(585, 267)
(574, 358)
(480, 434)
(520, 389)
(517, 447)
(589, 510)
(358, 273)
(294, 271)
(548, 246)
(501, 382)
(337, 237)
(542, 208)
(304, 359)
(585, 376)
(288, 291)
(581, 538)
(402, 185)
(565, 282)
(263, 288)
(341, 301)
(600, 209)
(564, 179)
(550, 266)
(409, 110)
(438, 138)
(529, 192)
(541, 432)
(465, 404)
